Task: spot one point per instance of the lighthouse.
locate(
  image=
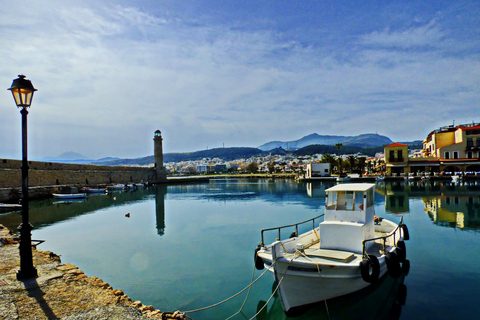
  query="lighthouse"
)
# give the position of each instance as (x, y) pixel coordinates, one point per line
(158, 156)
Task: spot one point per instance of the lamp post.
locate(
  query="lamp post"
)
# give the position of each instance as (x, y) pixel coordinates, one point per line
(22, 90)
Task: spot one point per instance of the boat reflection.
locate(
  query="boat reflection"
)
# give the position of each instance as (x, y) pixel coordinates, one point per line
(383, 300)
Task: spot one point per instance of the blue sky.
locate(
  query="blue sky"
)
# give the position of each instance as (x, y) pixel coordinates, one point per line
(233, 73)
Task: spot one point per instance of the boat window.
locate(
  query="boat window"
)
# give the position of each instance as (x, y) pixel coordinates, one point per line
(370, 197)
(359, 200)
(331, 199)
(345, 200)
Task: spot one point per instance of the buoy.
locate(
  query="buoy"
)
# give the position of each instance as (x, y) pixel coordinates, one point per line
(370, 269)
(127, 215)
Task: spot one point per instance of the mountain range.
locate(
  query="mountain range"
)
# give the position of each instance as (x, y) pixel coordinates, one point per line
(363, 140)
(368, 144)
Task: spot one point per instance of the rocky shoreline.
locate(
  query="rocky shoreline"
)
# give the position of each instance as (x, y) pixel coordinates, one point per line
(61, 290)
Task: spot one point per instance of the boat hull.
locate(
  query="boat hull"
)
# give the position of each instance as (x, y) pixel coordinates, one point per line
(69, 196)
(301, 286)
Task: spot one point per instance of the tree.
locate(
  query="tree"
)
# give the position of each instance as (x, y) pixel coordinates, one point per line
(361, 163)
(252, 167)
(328, 158)
(352, 163)
(338, 145)
(271, 167)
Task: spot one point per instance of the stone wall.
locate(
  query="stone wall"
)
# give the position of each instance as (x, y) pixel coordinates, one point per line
(52, 174)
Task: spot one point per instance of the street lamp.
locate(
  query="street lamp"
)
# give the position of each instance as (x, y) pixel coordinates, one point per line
(22, 90)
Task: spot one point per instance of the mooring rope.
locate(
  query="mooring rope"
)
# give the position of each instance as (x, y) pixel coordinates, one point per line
(248, 293)
(266, 303)
(219, 303)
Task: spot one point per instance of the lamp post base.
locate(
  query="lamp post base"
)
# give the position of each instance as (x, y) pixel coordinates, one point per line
(27, 274)
(27, 270)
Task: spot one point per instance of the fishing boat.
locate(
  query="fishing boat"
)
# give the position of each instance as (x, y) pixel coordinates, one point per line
(116, 187)
(94, 190)
(348, 251)
(69, 195)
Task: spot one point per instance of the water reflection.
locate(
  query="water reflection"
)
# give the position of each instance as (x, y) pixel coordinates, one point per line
(160, 192)
(381, 301)
(43, 213)
(447, 204)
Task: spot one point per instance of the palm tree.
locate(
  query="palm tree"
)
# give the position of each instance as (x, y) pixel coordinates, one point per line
(338, 145)
(352, 161)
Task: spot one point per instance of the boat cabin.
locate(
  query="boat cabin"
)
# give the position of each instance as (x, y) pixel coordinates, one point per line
(349, 217)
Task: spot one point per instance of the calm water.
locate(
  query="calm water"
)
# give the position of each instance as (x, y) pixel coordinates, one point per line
(189, 246)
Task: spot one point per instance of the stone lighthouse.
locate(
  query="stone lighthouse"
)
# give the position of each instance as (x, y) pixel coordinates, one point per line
(158, 156)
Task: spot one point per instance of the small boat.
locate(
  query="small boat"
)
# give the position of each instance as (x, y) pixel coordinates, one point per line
(94, 190)
(348, 251)
(6, 207)
(69, 195)
(116, 187)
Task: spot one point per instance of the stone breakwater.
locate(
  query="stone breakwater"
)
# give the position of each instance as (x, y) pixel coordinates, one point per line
(61, 290)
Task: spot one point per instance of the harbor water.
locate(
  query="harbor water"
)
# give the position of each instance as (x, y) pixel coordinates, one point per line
(184, 247)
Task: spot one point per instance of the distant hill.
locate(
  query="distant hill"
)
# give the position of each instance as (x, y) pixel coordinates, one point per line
(226, 154)
(363, 140)
(67, 156)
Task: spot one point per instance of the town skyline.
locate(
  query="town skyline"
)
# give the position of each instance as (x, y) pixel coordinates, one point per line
(219, 73)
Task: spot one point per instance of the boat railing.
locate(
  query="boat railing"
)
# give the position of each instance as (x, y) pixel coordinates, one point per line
(384, 238)
(289, 226)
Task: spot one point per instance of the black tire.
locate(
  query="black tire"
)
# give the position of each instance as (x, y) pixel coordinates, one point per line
(401, 251)
(393, 264)
(406, 235)
(370, 269)
(258, 261)
(406, 267)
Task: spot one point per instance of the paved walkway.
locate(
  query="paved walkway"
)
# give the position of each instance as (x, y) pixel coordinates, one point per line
(61, 291)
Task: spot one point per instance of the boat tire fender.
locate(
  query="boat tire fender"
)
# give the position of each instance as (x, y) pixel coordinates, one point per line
(401, 251)
(393, 264)
(406, 235)
(259, 265)
(406, 267)
(370, 269)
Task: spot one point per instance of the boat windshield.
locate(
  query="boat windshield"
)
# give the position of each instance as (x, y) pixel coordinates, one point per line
(349, 200)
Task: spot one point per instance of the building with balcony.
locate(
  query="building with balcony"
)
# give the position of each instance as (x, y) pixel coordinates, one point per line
(446, 149)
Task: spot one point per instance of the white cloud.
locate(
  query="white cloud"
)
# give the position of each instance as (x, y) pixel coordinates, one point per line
(427, 35)
(108, 77)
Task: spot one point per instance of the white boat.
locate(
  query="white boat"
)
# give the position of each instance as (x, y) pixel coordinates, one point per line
(116, 187)
(94, 190)
(69, 195)
(350, 250)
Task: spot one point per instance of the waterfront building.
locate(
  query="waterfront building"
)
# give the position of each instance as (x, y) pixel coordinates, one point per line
(447, 149)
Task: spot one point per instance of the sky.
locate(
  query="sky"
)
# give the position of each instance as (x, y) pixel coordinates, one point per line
(223, 73)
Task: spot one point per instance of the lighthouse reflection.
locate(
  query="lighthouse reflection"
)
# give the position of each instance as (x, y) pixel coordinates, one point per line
(160, 192)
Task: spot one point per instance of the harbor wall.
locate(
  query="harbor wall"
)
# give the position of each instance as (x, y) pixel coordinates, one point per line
(53, 174)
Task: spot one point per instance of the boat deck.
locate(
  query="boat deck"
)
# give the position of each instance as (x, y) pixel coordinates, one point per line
(333, 257)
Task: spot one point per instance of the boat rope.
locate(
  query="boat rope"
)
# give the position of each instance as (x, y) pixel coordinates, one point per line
(266, 303)
(326, 307)
(228, 299)
(248, 293)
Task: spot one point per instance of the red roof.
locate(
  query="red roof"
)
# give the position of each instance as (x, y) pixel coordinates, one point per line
(397, 144)
(470, 128)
